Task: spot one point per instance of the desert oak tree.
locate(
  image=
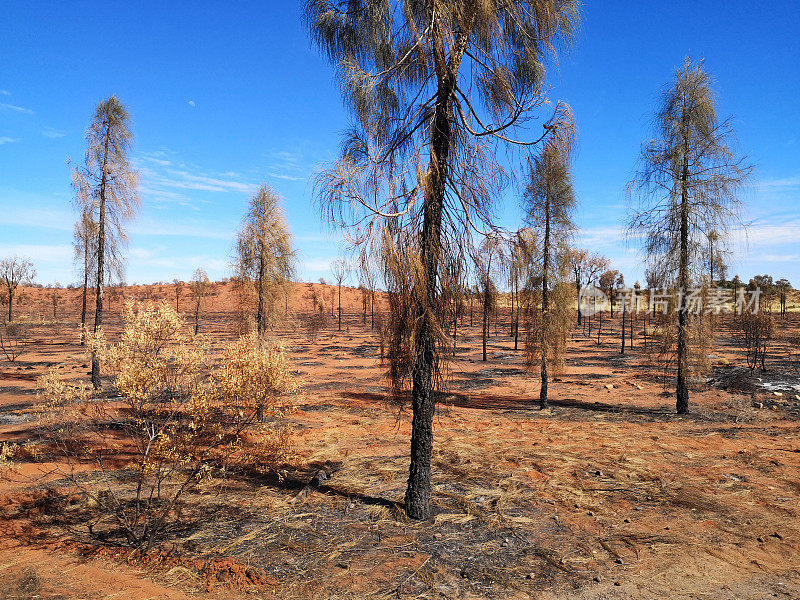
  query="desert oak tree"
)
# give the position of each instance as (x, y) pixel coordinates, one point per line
(107, 187)
(435, 87)
(686, 185)
(13, 272)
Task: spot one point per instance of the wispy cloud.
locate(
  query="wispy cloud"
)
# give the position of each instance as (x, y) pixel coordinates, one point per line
(50, 132)
(5, 93)
(181, 230)
(7, 140)
(601, 237)
(769, 232)
(165, 179)
(51, 218)
(286, 165)
(192, 103)
(58, 253)
(783, 183)
(14, 108)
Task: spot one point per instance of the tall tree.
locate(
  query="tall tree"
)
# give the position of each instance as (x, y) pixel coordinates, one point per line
(686, 184)
(84, 242)
(178, 288)
(487, 262)
(199, 286)
(107, 187)
(784, 287)
(340, 270)
(13, 272)
(585, 269)
(523, 268)
(436, 87)
(264, 251)
(550, 201)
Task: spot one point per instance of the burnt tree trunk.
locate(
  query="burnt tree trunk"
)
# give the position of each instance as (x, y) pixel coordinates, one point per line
(682, 387)
(545, 327)
(101, 247)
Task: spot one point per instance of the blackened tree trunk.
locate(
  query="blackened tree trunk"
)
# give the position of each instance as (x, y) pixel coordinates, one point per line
(101, 247)
(682, 387)
(545, 327)
(485, 318)
(260, 313)
(623, 327)
(340, 307)
(84, 293)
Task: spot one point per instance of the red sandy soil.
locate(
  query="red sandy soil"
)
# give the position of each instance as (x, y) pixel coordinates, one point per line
(606, 495)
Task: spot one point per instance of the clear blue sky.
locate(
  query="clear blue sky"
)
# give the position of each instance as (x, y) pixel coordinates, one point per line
(226, 96)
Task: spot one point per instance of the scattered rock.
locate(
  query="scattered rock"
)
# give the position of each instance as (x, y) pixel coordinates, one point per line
(596, 579)
(609, 386)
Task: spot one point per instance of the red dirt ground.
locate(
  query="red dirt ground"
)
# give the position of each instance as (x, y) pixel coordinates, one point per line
(606, 495)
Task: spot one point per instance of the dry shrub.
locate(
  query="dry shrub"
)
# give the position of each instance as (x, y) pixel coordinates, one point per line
(13, 340)
(753, 332)
(175, 421)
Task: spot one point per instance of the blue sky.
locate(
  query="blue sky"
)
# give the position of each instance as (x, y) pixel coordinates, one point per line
(226, 96)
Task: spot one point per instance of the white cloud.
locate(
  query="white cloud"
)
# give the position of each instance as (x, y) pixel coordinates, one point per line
(5, 92)
(192, 103)
(181, 230)
(7, 140)
(52, 133)
(18, 109)
(780, 184)
(60, 253)
(51, 218)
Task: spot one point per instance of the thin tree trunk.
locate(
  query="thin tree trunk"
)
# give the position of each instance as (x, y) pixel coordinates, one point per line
(85, 287)
(260, 288)
(545, 328)
(623, 327)
(455, 326)
(340, 307)
(485, 318)
(101, 247)
(682, 387)
(516, 323)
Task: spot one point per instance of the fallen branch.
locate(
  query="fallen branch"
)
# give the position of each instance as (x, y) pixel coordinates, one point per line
(322, 474)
